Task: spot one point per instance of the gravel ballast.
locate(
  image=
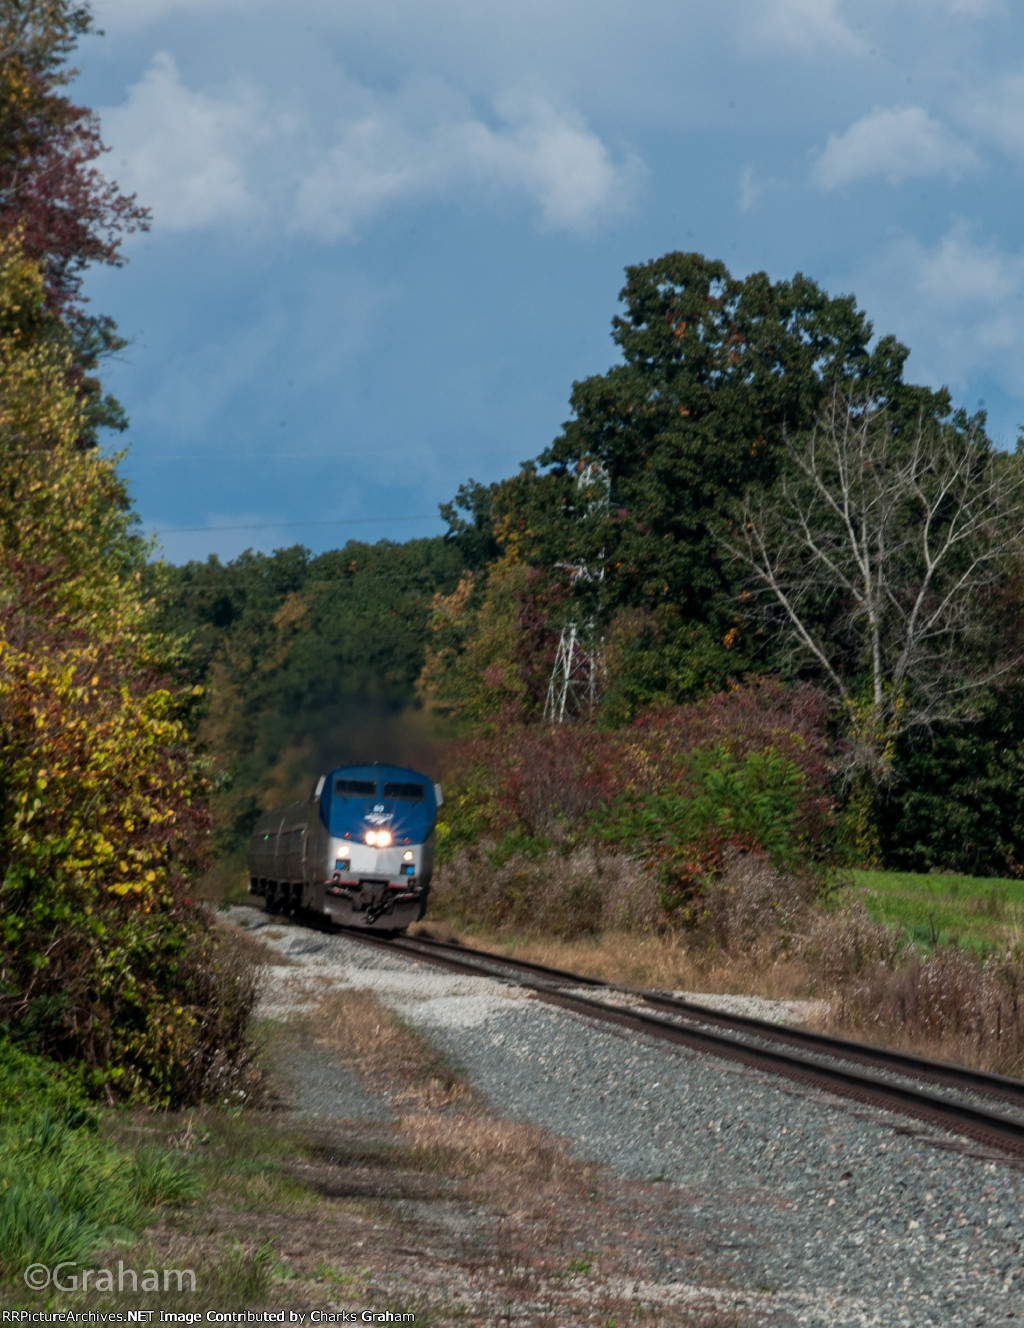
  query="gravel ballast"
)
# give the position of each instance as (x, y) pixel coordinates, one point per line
(813, 1209)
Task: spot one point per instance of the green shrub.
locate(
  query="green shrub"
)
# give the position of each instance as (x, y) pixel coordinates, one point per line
(30, 1083)
(722, 804)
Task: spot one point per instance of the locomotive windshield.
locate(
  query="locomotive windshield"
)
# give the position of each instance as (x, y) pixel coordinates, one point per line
(359, 798)
(407, 792)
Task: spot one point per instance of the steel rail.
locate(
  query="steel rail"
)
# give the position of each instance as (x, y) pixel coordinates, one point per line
(999, 1086)
(987, 1125)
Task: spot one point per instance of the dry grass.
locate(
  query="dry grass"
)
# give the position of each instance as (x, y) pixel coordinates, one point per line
(505, 1155)
(444, 1210)
(950, 1005)
(766, 935)
(541, 1206)
(388, 1056)
(662, 963)
(844, 944)
(250, 946)
(543, 1244)
(761, 931)
(583, 892)
(370, 1039)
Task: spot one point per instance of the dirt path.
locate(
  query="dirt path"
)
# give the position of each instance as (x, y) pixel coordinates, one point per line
(433, 1204)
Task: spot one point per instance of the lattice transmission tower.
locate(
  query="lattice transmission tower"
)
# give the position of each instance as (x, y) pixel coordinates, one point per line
(573, 687)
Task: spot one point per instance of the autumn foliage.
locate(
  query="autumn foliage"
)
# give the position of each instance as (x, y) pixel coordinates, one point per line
(54, 196)
(106, 961)
(682, 790)
(51, 190)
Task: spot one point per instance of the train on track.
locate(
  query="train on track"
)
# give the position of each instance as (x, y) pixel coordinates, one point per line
(360, 850)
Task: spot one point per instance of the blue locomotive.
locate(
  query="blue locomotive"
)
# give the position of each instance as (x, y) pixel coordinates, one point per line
(359, 850)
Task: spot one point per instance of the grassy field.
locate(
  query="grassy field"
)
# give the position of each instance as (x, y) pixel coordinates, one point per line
(985, 913)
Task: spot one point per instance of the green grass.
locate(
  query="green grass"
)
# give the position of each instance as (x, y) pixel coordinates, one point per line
(65, 1189)
(984, 913)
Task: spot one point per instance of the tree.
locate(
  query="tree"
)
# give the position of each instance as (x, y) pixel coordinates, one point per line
(306, 662)
(64, 524)
(52, 193)
(715, 371)
(105, 959)
(956, 800)
(877, 558)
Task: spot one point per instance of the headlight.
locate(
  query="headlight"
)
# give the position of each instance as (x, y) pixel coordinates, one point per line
(381, 838)
(408, 855)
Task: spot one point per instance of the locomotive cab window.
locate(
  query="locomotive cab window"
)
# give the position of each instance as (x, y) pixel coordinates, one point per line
(356, 788)
(406, 792)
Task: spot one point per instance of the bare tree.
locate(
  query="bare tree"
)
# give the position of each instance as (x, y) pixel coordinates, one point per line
(878, 556)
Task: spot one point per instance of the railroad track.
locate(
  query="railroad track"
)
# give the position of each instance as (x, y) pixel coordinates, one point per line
(987, 1108)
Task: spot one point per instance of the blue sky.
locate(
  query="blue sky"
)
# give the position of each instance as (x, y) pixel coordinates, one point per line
(387, 236)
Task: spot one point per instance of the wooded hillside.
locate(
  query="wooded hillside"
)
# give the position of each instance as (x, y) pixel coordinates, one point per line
(752, 490)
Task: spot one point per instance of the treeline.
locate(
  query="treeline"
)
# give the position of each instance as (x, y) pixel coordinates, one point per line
(306, 662)
(756, 490)
(753, 492)
(107, 963)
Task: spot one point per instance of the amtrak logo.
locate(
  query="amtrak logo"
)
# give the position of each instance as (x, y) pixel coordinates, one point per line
(378, 816)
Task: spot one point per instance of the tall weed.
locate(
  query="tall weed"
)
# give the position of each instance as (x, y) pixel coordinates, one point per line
(950, 1003)
(578, 892)
(756, 908)
(846, 943)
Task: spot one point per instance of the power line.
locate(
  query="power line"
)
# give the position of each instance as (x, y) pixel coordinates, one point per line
(358, 454)
(249, 456)
(288, 525)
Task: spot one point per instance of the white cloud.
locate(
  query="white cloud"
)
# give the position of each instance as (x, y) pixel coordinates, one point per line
(183, 151)
(960, 271)
(900, 143)
(423, 143)
(998, 112)
(958, 303)
(805, 26)
(754, 188)
(201, 160)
